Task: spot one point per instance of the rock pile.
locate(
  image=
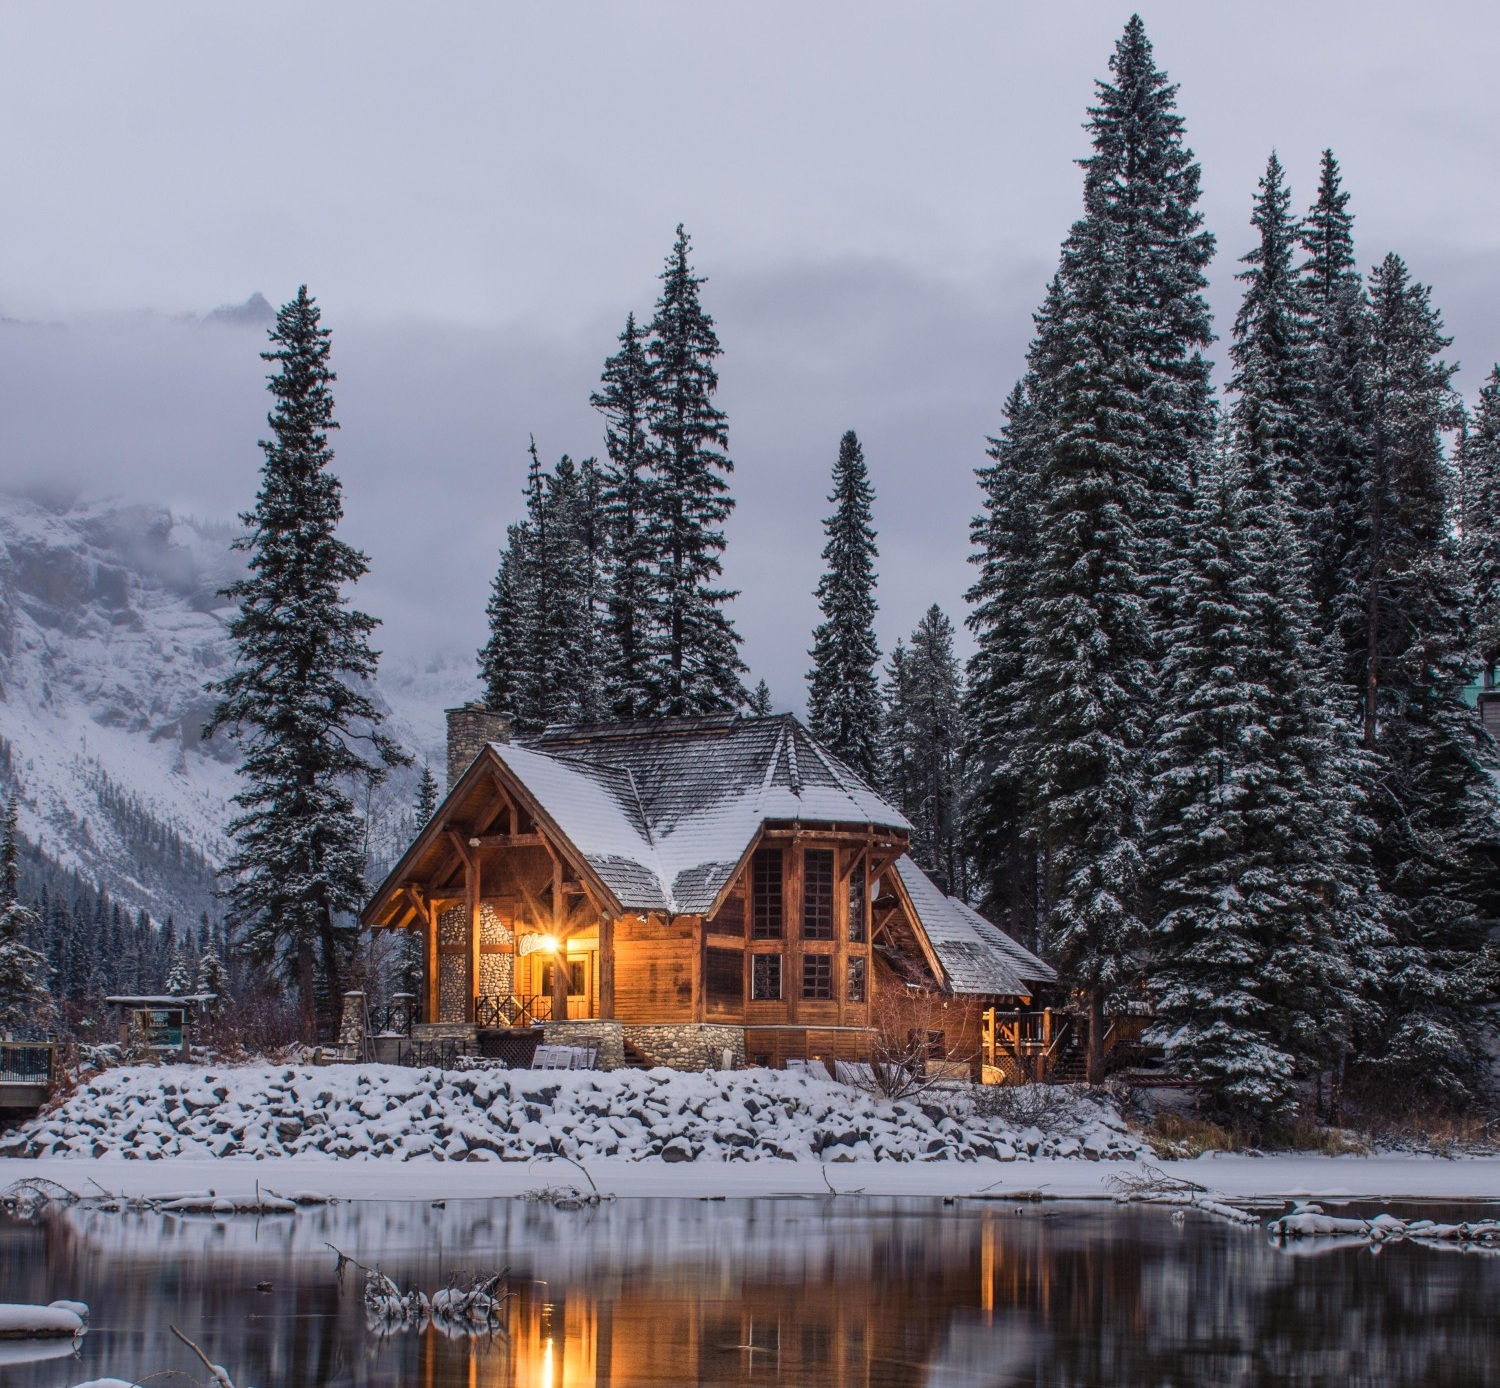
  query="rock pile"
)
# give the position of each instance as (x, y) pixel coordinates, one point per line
(390, 1113)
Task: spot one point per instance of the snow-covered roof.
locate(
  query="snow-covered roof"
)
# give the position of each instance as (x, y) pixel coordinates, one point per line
(977, 956)
(664, 811)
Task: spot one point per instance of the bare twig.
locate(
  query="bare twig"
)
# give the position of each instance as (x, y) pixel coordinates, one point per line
(219, 1376)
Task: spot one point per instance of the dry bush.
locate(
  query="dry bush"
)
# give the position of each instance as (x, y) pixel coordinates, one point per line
(1045, 1107)
(923, 1038)
(1177, 1135)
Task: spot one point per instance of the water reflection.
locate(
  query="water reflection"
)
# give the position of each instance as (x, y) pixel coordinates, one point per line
(874, 1294)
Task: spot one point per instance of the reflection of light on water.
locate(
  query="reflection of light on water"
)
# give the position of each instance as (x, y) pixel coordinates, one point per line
(547, 1363)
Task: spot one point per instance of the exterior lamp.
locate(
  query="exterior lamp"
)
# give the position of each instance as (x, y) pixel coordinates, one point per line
(551, 943)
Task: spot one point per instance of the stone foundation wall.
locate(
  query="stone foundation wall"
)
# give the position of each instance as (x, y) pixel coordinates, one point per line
(690, 1045)
(607, 1038)
(465, 1033)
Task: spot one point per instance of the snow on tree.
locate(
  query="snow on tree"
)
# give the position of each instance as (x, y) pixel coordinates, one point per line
(212, 977)
(1338, 446)
(1434, 795)
(298, 699)
(843, 703)
(759, 702)
(1252, 847)
(1479, 517)
(998, 816)
(26, 1004)
(924, 746)
(180, 975)
(542, 662)
(1271, 351)
(427, 798)
(696, 665)
(628, 502)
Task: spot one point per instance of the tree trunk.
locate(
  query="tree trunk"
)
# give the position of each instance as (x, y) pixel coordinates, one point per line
(1095, 1071)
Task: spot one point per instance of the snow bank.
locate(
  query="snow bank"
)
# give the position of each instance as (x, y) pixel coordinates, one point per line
(62, 1318)
(392, 1113)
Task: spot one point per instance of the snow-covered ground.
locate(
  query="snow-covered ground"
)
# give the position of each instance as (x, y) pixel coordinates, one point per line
(384, 1133)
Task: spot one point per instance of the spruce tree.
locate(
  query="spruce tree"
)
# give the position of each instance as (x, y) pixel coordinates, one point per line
(924, 747)
(180, 976)
(298, 699)
(1338, 445)
(843, 703)
(1005, 549)
(427, 799)
(1434, 798)
(696, 665)
(1252, 808)
(1272, 350)
(628, 504)
(759, 702)
(213, 978)
(26, 1004)
(1479, 528)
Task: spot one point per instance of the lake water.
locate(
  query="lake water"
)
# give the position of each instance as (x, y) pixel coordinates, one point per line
(844, 1291)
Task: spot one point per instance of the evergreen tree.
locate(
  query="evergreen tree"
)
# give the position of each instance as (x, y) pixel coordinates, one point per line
(759, 702)
(427, 799)
(628, 502)
(696, 662)
(297, 699)
(25, 999)
(1434, 800)
(1272, 350)
(1251, 817)
(180, 975)
(1004, 535)
(213, 977)
(924, 747)
(1141, 189)
(1338, 444)
(503, 656)
(843, 702)
(1479, 521)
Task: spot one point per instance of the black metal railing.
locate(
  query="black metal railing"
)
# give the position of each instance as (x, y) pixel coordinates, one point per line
(420, 1054)
(505, 1010)
(27, 1062)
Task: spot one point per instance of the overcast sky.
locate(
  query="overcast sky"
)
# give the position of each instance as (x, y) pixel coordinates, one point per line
(477, 194)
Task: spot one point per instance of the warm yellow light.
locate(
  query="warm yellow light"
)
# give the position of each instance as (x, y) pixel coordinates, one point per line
(551, 943)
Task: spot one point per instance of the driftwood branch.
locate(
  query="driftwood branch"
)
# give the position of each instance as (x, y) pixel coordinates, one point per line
(219, 1376)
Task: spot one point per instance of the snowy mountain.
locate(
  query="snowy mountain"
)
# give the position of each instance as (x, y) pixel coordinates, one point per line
(110, 625)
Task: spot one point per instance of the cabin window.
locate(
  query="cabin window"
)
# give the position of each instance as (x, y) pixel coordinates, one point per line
(725, 975)
(765, 977)
(858, 906)
(817, 894)
(765, 879)
(855, 990)
(817, 976)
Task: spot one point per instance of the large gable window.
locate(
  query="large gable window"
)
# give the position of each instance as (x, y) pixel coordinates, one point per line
(817, 894)
(817, 976)
(765, 977)
(859, 907)
(765, 894)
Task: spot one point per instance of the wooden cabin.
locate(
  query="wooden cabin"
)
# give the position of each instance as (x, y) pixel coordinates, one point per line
(686, 892)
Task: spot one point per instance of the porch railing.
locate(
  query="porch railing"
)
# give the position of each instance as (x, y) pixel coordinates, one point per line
(27, 1062)
(505, 1010)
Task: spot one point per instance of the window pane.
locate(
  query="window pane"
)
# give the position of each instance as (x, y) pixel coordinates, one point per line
(725, 975)
(856, 988)
(817, 894)
(858, 907)
(817, 976)
(765, 878)
(765, 977)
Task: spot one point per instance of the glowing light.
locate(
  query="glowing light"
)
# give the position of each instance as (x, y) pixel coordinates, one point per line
(551, 944)
(547, 1364)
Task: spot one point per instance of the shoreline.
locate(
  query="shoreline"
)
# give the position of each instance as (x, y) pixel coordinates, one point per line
(1388, 1176)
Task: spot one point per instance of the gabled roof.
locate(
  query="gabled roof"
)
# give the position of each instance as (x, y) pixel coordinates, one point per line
(977, 956)
(664, 811)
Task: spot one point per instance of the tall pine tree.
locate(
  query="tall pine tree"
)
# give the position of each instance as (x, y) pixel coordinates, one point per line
(628, 503)
(298, 700)
(26, 1004)
(1479, 479)
(843, 703)
(696, 665)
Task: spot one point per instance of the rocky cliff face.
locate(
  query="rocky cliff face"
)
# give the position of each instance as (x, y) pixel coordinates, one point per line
(110, 626)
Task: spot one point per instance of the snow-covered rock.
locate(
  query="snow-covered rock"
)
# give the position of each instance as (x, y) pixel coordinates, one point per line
(60, 1319)
(364, 1113)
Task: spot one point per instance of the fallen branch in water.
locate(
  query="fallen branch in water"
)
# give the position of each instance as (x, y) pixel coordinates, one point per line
(569, 1197)
(220, 1374)
(1154, 1187)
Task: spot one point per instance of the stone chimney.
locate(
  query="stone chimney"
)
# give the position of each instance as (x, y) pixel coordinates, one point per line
(469, 728)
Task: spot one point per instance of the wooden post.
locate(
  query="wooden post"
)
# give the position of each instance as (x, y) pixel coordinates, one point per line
(606, 966)
(560, 956)
(430, 930)
(471, 894)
